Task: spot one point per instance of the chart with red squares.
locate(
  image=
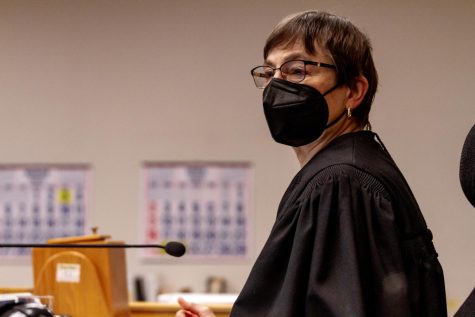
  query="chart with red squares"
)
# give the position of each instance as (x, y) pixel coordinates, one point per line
(41, 201)
(207, 206)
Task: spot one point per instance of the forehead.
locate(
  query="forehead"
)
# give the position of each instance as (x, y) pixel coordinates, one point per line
(282, 54)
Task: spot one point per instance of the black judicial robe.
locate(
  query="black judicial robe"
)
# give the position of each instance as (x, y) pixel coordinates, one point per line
(349, 240)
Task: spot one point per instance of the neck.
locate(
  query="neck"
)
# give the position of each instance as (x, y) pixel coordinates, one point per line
(306, 152)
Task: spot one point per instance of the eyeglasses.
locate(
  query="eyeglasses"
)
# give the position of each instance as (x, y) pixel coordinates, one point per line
(293, 71)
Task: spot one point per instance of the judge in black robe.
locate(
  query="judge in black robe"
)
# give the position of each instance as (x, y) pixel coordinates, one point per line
(349, 240)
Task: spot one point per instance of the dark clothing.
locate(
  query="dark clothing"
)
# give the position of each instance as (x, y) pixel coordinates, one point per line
(349, 240)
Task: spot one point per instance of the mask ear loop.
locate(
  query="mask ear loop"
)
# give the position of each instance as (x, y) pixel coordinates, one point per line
(342, 114)
(331, 89)
(336, 119)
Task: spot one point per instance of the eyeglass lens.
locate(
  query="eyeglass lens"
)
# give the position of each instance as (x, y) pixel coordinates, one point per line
(292, 71)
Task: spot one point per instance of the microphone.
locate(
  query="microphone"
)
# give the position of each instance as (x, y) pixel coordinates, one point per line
(467, 180)
(173, 248)
(467, 167)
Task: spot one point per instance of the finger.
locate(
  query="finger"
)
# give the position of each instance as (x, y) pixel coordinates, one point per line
(184, 313)
(187, 305)
(199, 310)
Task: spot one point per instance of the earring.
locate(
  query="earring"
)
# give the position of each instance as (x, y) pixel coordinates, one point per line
(348, 112)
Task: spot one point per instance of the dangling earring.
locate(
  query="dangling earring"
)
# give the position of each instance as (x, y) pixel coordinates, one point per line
(348, 112)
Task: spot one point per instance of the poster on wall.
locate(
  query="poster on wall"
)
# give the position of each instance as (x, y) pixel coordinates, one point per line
(41, 201)
(205, 205)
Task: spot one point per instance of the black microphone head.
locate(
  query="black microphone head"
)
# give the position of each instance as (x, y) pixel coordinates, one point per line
(467, 167)
(175, 248)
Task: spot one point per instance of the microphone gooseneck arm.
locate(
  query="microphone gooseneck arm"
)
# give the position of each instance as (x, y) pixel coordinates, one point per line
(172, 248)
(73, 245)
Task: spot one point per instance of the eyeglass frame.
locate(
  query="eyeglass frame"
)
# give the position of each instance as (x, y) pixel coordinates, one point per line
(305, 63)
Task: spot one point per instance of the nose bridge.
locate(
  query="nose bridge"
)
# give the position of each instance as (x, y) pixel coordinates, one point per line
(278, 73)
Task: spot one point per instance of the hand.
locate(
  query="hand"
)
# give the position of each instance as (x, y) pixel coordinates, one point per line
(193, 310)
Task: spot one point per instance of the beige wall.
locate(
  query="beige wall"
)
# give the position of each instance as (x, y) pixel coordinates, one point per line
(114, 83)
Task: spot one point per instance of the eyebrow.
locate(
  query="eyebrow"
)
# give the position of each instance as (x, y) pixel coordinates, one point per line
(290, 57)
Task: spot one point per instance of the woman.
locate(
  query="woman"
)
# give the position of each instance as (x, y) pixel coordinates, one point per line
(349, 238)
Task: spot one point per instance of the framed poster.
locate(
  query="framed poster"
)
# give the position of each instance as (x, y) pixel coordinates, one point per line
(205, 205)
(41, 201)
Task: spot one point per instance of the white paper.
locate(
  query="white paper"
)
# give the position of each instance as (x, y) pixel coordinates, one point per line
(68, 272)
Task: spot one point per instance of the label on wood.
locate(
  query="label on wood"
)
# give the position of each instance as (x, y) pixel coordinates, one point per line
(68, 272)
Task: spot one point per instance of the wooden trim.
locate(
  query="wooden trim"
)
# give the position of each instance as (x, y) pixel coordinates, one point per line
(143, 309)
(150, 309)
(9, 290)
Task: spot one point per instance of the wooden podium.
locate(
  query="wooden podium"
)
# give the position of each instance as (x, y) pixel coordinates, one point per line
(83, 282)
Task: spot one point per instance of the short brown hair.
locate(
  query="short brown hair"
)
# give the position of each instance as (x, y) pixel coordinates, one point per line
(349, 48)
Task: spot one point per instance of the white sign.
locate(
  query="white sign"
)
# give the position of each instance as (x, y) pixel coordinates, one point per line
(68, 272)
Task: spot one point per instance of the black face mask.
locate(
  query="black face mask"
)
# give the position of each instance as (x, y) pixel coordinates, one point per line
(296, 114)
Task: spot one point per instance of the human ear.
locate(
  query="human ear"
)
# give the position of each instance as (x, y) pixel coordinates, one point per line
(356, 92)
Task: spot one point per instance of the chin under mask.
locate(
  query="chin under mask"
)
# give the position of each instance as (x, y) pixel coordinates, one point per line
(296, 114)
